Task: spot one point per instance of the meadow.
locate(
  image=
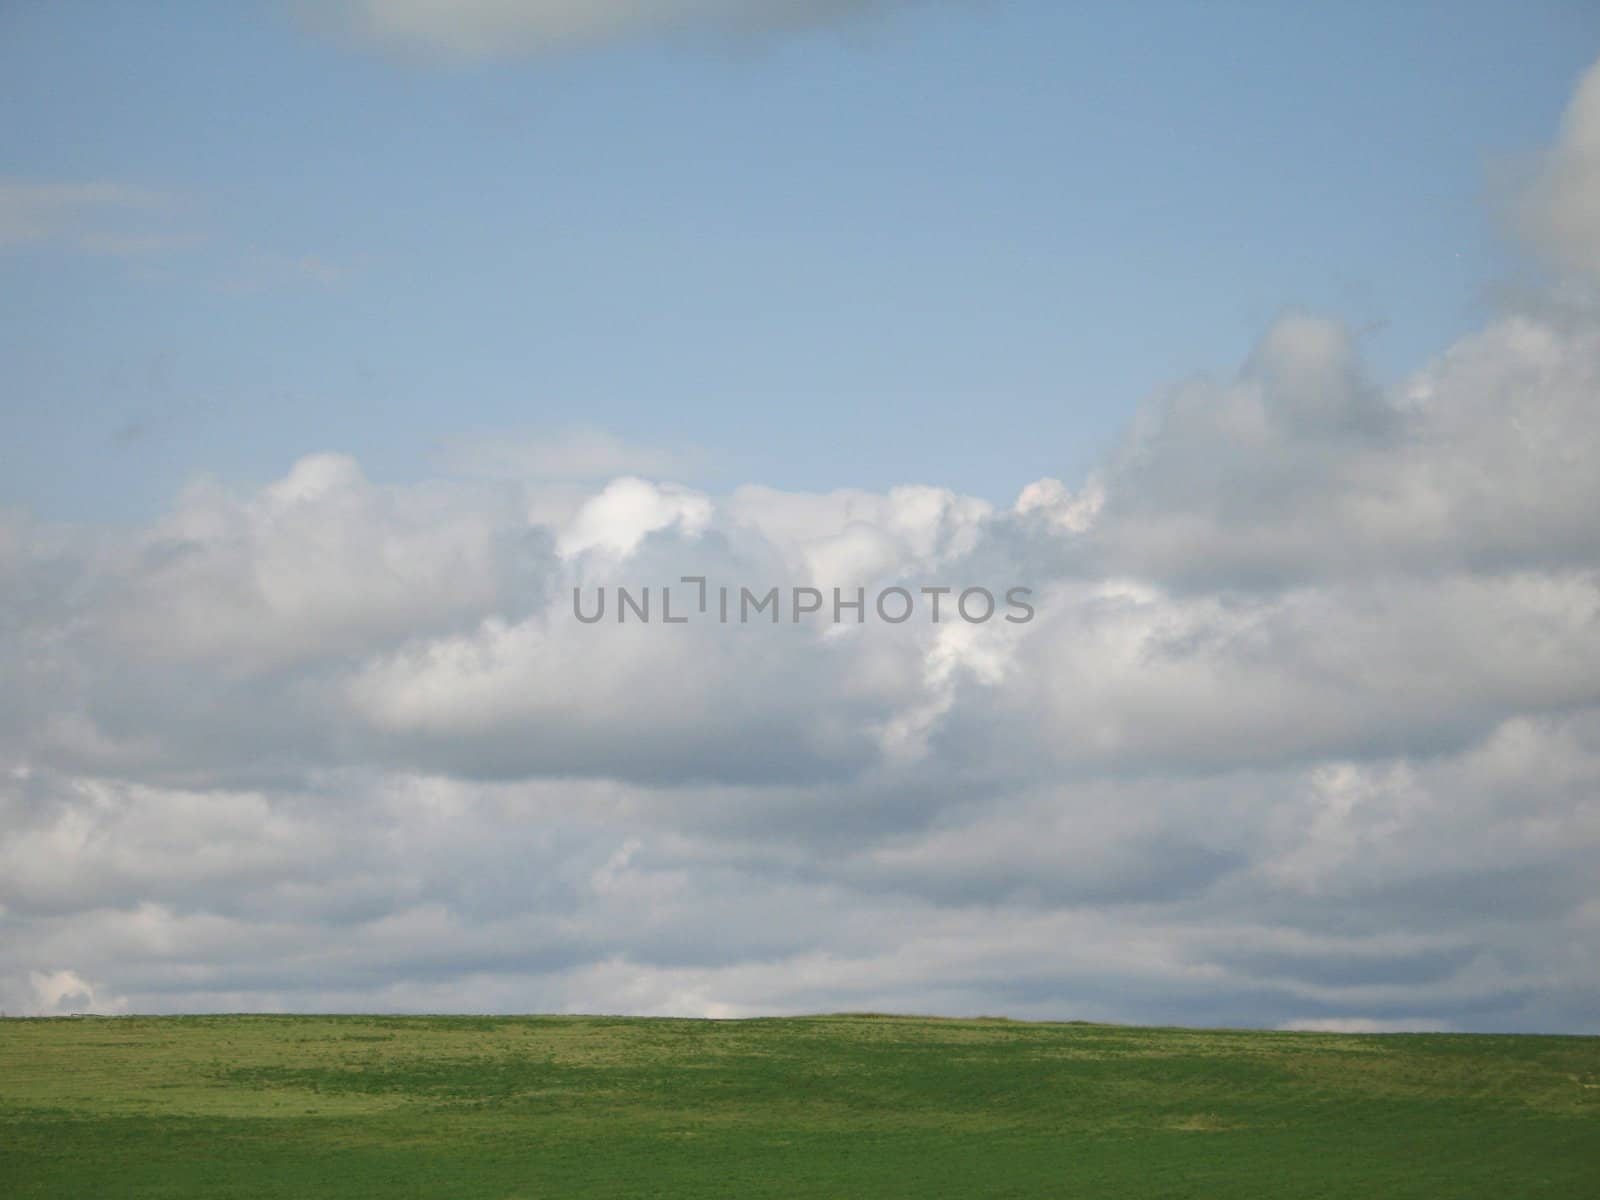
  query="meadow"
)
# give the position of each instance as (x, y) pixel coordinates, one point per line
(835, 1106)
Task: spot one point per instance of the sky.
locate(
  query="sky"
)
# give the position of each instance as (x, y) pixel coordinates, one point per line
(811, 249)
(341, 344)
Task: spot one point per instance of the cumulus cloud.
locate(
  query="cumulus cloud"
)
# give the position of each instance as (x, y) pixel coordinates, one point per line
(1305, 731)
(1298, 468)
(1560, 213)
(334, 743)
(486, 28)
(628, 509)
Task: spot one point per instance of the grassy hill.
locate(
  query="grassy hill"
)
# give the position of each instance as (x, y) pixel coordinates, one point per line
(837, 1106)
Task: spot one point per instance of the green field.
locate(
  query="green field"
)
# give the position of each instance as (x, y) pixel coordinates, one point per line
(838, 1106)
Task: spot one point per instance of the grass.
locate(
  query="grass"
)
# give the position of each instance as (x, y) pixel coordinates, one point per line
(839, 1106)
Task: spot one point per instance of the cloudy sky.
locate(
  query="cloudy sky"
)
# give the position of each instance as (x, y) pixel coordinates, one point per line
(340, 343)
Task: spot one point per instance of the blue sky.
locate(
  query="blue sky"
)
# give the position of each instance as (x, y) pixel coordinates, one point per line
(946, 241)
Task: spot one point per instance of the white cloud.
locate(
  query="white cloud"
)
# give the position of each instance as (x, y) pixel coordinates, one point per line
(626, 510)
(57, 993)
(1299, 468)
(486, 28)
(1368, 1025)
(356, 728)
(1560, 213)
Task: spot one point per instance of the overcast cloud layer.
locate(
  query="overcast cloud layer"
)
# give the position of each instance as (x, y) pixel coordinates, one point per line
(1306, 730)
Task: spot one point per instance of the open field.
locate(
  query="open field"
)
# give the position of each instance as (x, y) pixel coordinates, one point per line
(839, 1106)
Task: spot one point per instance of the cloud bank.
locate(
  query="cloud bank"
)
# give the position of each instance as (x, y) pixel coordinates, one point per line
(1306, 731)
